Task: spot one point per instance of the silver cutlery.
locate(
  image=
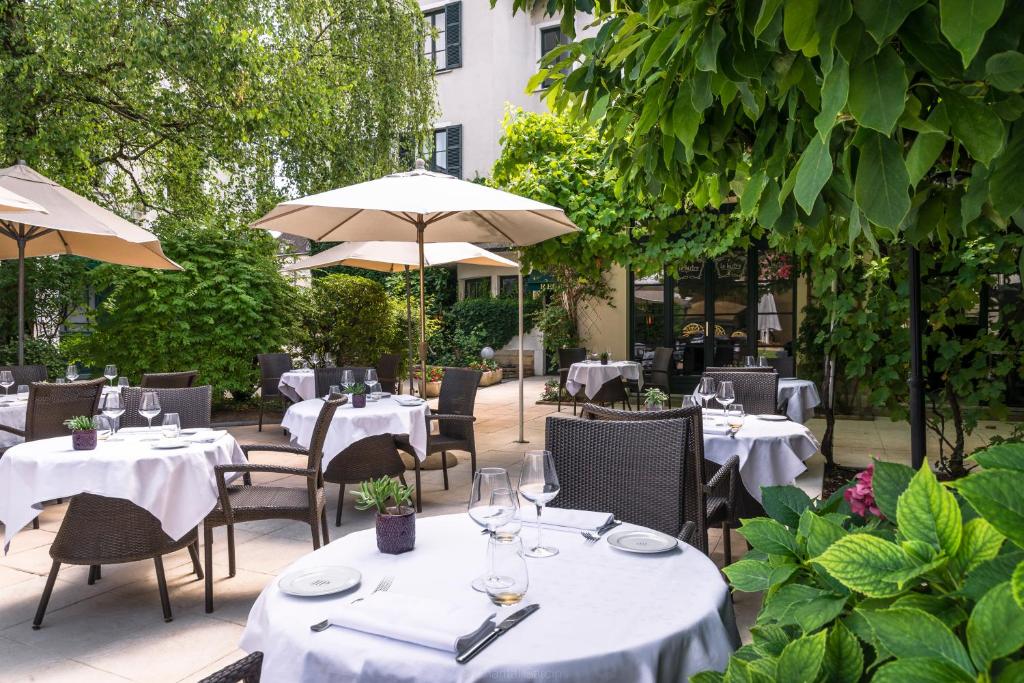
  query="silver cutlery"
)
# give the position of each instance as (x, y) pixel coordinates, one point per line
(382, 587)
(499, 630)
(595, 536)
(591, 537)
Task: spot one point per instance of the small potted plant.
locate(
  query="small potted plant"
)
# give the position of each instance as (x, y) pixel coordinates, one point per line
(655, 399)
(604, 358)
(396, 524)
(83, 433)
(358, 392)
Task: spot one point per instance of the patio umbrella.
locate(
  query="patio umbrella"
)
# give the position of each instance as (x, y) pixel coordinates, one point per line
(70, 224)
(11, 202)
(421, 206)
(389, 257)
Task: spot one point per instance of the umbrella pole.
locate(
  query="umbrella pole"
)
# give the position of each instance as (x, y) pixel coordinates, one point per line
(21, 297)
(408, 333)
(918, 444)
(420, 228)
(519, 278)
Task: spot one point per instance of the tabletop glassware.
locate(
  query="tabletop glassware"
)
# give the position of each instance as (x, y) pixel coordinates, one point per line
(726, 394)
(6, 380)
(72, 372)
(23, 392)
(110, 372)
(762, 362)
(61, 380)
(333, 392)
(123, 382)
(688, 402)
(734, 417)
(149, 407)
(508, 577)
(348, 378)
(749, 361)
(538, 483)
(171, 428)
(706, 390)
(112, 406)
(103, 426)
(372, 384)
(492, 504)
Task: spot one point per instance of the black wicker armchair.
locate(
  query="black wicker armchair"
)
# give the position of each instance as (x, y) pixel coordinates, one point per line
(566, 357)
(26, 374)
(168, 380)
(324, 378)
(193, 405)
(370, 458)
(387, 373)
(272, 366)
(245, 670)
(757, 392)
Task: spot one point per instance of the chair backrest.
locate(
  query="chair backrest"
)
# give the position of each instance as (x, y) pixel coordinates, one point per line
(323, 378)
(49, 405)
(387, 371)
(26, 374)
(320, 429)
(784, 365)
(697, 468)
(633, 469)
(458, 397)
(661, 368)
(757, 391)
(272, 366)
(168, 380)
(192, 404)
(723, 368)
(566, 357)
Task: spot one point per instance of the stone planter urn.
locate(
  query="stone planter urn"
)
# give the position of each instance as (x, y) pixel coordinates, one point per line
(396, 530)
(489, 377)
(83, 440)
(433, 389)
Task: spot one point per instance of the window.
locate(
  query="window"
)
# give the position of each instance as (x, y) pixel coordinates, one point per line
(508, 285)
(443, 42)
(550, 38)
(446, 157)
(476, 288)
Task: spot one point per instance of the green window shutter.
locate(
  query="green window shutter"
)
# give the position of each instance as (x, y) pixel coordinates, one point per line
(454, 151)
(453, 35)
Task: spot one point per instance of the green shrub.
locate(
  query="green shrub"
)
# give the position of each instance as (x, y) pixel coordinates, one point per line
(472, 324)
(37, 352)
(929, 589)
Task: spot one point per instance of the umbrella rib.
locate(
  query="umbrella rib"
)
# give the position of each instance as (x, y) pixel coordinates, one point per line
(281, 215)
(496, 228)
(357, 212)
(568, 224)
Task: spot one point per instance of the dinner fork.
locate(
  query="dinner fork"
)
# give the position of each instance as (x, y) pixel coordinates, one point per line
(591, 537)
(382, 587)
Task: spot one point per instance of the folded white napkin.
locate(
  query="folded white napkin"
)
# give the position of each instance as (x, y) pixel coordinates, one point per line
(405, 400)
(581, 520)
(413, 619)
(205, 436)
(712, 428)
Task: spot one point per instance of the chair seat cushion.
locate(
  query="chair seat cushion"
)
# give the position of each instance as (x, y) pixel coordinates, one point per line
(255, 501)
(440, 442)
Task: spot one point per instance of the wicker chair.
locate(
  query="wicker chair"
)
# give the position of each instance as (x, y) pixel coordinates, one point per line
(716, 368)
(257, 502)
(98, 530)
(168, 380)
(720, 483)
(193, 405)
(635, 470)
(387, 373)
(611, 392)
(566, 357)
(26, 374)
(370, 458)
(245, 670)
(757, 392)
(323, 378)
(272, 366)
(661, 372)
(784, 365)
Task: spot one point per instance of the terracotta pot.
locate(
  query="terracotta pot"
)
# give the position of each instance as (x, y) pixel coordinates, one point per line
(396, 531)
(83, 440)
(358, 400)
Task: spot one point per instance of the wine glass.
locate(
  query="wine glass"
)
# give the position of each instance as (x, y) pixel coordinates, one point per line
(122, 382)
(149, 407)
(538, 483)
(22, 392)
(762, 362)
(372, 384)
(172, 426)
(749, 361)
(6, 381)
(110, 372)
(348, 378)
(112, 406)
(508, 577)
(688, 402)
(734, 416)
(706, 390)
(72, 372)
(726, 394)
(492, 504)
(333, 392)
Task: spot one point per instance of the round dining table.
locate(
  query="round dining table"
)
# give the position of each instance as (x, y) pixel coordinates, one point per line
(590, 375)
(176, 485)
(298, 385)
(605, 615)
(351, 424)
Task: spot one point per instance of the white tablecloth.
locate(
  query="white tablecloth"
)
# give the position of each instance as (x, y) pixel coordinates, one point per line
(591, 374)
(352, 424)
(771, 453)
(798, 397)
(606, 616)
(177, 486)
(13, 413)
(298, 385)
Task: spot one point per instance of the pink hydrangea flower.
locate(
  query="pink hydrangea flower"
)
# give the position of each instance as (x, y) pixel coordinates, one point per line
(861, 496)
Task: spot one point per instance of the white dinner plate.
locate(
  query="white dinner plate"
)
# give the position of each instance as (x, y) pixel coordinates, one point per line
(642, 541)
(196, 430)
(315, 581)
(168, 444)
(772, 418)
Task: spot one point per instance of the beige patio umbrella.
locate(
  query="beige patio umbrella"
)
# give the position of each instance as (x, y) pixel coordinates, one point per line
(389, 257)
(422, 206)
(70, 224)
(11, 202)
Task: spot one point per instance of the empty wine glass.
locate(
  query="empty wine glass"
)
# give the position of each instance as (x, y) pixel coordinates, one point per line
(6, 381)
(688, 402)
(112, 406)
(492, 504)
(726, 394)
(348, 378)
(72, 372)
(23, 392)
(172, 426)
(749, 361)
(734, 417)
(122, 382)
(706, 390)
(538, 483)
(372, 384)
(103, 426)
(149, 407)
(762, 362)
(333, 392)
(110, 372)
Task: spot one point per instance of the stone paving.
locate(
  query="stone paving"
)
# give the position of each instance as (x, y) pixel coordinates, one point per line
(113, 630)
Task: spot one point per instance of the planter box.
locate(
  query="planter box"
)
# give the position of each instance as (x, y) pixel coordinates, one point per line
(491, 377)
(433, 389)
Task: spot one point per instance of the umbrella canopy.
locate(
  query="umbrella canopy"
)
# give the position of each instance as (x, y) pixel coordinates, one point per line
(11, 201)
(69, 224)
(392, 257)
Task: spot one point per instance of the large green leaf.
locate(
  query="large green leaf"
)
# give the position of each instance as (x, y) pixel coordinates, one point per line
(785, 504)
(943, 608)
(801, 660)
(769, 8)
(707, 53)
(878, 89)
(881, 184)
(882, 18)
(980, 542)
(769, 536)
(928, 512)
(835, 89)
(866, 564)
(818, 533)
(1005, 70)
(1017, 585)
(815, 170)
(805, 606)
(976, 124)
(921, 670)
(995, 627)
(964, 23)
(769, 639)
(889, 481)
(991, 573)
(1006, 456)
(922, 155)
(757, 575)
(996, 495)
(844, 657)
(798, 23)
(909, 632)
(1007, 195)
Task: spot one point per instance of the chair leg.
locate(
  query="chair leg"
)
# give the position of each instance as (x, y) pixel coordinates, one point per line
(45, 599)
(444, 468)
(323, 525)
(35, 523)
(208, 552)
(341, 501)
(559, 399)
(472, 462)
(161, 581)
(231, 550)
(419, 489)
(193, 552)
(260, 421)
(727, 543)
(314, 527)
(94, 570)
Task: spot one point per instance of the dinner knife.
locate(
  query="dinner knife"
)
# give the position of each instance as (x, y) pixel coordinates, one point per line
(499, 630)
